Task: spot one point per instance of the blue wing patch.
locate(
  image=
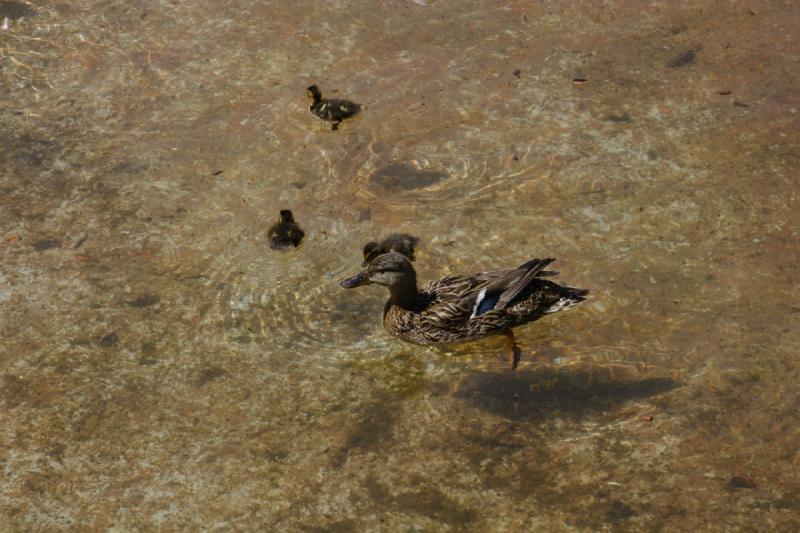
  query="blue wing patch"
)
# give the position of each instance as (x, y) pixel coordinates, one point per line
(483, 304)
(486, 305)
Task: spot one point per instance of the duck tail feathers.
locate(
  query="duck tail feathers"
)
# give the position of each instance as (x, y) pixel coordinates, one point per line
(533, 267)
(539, 263)
(570, 297)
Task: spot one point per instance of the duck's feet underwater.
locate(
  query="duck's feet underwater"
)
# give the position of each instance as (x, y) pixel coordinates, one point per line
(514, 353)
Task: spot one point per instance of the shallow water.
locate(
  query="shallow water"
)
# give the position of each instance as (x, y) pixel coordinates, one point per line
(163, 368)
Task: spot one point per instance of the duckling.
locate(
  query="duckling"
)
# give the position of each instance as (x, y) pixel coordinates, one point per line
(330, 110)
(285, 233)
(402, 243)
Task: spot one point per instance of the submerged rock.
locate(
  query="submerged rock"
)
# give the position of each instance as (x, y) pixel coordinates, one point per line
(399, 177)
(683, 60)
(15, 10)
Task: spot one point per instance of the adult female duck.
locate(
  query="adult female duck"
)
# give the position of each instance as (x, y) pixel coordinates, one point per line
(465, 308)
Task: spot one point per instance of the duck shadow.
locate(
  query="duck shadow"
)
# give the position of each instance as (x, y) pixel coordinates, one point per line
(571, 391)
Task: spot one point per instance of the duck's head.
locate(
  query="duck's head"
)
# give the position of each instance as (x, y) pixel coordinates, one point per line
(313, 93)
(286, 216)
(392, 270)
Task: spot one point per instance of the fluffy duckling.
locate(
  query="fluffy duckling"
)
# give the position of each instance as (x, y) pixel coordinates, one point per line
(402, 243)
(330, 110)
(285, 233)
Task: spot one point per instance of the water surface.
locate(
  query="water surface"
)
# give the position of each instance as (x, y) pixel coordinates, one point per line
(163, 368)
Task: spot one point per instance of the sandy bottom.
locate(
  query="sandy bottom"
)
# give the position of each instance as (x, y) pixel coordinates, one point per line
(160, 367)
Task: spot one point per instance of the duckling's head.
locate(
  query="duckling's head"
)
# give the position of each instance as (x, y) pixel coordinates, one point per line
(371, 251)
(402, 243)
(392, 270)
(286, 216)
(313, 93)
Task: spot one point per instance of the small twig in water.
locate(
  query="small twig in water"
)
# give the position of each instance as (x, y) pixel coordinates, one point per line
(18, 63)
(84, 40)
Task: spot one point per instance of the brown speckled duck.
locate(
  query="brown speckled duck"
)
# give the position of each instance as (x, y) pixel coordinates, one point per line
(465, 308)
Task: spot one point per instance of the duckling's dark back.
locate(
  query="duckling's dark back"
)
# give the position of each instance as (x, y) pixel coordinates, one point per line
(329, 109)
(285, 233)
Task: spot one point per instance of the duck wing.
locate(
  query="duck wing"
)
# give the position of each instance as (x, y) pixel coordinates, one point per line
(517, 285)
(343, 108)
(457, 299)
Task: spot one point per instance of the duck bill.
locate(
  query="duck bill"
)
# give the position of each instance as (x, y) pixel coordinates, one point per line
(357, 280)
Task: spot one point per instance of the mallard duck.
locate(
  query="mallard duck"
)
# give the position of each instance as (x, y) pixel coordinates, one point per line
(402, 243)
(285, 233)
(465, 308)
(330, 110)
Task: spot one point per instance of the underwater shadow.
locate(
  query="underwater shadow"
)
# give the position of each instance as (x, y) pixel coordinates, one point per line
(570, 390)
(402, 177)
